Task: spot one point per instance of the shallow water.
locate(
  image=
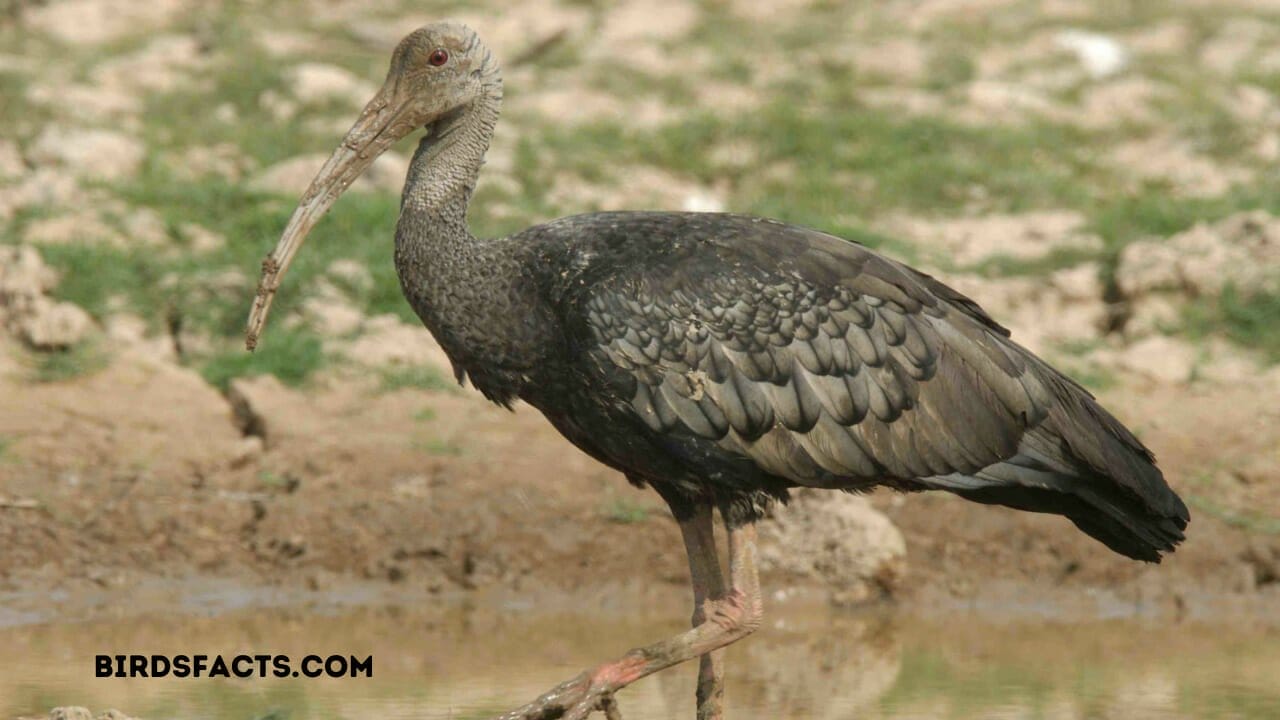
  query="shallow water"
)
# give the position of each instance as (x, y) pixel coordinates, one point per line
(809, 663)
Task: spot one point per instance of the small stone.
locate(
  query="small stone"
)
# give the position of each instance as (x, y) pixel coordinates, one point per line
(313, 83)
(839, 539)
(23, 276)
(88, 152)
(145, 227)
(351, 273)
(1160, 358)
(81, 227)
(386, 340)
(331, 314)
(126, 329)
(11, 164)
(114, 714)
(54, 325)
(201, 239)
(93, 22)
(1100, 55)
(247, 451)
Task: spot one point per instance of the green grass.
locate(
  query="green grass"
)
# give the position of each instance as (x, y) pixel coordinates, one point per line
(290, 355)
(626, 511)
(1251, 320)
(1252, 522)
(425, 414)
(421, 377)
(278, 481)
(83, 359)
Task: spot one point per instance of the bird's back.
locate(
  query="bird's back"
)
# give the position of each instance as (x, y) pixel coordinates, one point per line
(726, 358)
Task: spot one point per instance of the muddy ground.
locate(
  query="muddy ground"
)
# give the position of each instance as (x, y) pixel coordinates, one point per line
(1101, 178)
(142, 472)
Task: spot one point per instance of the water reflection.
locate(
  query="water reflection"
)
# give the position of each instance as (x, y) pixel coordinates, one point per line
(812, 663)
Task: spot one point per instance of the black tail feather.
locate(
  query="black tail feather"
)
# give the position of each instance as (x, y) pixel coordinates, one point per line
(1117, 520)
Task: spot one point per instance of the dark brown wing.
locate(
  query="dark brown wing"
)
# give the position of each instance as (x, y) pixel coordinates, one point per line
(831, 366)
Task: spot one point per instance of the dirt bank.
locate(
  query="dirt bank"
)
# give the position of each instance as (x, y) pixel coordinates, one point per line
(142, 473)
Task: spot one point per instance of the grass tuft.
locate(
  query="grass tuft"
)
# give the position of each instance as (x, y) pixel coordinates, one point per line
(1251, 320)
(626, 511)
(80, 360)
(421, 377)
(290, 355)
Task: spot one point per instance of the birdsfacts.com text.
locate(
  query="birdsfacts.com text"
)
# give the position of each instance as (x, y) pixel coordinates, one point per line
(238, 666)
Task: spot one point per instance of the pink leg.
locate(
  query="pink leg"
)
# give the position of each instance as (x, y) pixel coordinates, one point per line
(724, 621)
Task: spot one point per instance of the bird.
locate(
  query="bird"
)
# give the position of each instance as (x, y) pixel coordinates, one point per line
(722, 360)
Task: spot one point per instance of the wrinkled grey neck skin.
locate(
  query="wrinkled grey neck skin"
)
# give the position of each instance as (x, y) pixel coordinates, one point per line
(471, 293)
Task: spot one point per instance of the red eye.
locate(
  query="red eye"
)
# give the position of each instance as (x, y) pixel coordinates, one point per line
(439, 57)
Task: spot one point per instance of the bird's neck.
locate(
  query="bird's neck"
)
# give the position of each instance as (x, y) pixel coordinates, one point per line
(442, 175)
(459, 284)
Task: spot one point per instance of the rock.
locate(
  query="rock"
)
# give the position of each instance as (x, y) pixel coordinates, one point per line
(1100, 55)
(223, 160)
(24, 308)
(91, 102)
(144, 227)
(838, 539)
(1234, 42)
(283, 43)
(1152, 314)
(1079, 283)
(70, 713)
(702, 202)
(638, 20)
(1026, 236)
(291, 177)
(330, 313)
(259, 405)
(53, 325)
(88, 153)
(901, 59)
(131, 331)
(1125, 100)
(1160, 358)
(126, 329)
(351, 274)
(162, 65)
(11, 163)
(388, 341)
(201, 239)
(1072, 297)
(1157, 277)
(248, 451)
(114, 714)
(280, 107)
(1005, 102)
(93, 22)
(23, 277)
(1168, 159)
(313, 83)
(83, 226)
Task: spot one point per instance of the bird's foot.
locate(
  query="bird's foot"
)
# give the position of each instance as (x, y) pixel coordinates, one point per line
(587, 693)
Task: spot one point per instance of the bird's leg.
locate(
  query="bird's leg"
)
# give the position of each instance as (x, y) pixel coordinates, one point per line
(708, 588)
(727, 619)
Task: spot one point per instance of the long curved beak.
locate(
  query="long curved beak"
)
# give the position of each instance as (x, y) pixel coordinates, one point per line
(383, 121)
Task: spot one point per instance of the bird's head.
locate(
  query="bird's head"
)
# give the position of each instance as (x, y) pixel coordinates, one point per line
(436, 73)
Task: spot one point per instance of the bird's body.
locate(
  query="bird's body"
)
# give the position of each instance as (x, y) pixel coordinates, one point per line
(723, 359)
